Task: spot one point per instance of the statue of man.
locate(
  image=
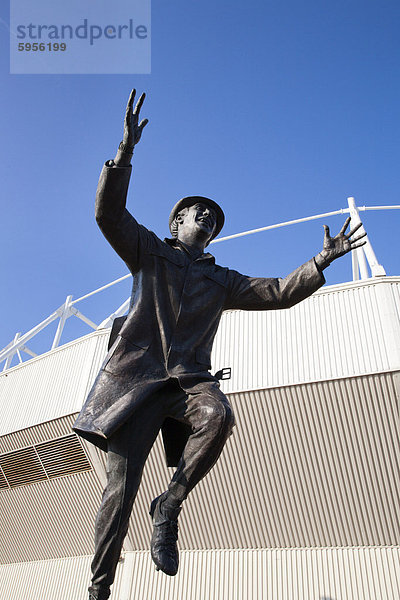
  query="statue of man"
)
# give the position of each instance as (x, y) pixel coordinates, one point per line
(156, 374)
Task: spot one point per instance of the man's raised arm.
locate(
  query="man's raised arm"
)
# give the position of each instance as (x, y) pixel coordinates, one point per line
(119, 227)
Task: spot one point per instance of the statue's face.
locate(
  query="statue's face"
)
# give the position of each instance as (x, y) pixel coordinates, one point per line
(199, 218)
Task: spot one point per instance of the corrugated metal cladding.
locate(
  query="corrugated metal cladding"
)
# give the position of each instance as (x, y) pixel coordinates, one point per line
(307, 465)
(51, 518)
(341, 331)
(298, 574)
(36, 434)
(44, 389)
(65, 579)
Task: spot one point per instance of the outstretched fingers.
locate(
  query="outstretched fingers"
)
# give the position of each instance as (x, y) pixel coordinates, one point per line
(130, 104)
(139, 105)
(359, 237)
(352, 231)
(128, 113)
(345, 226)
(354, 246)
(133, 131)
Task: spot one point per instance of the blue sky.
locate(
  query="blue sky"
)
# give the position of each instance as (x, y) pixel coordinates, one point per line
(276, 110)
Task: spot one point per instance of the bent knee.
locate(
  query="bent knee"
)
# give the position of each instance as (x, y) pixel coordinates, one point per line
(229, 420)
(218, 416)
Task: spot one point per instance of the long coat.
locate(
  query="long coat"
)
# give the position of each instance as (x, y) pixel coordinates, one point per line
(176, 310)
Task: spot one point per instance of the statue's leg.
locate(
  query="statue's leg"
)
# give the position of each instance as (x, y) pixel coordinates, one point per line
(128, 449)
(209, 414)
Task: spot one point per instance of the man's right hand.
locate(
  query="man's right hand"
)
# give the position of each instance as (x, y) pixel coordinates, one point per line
(132, 130)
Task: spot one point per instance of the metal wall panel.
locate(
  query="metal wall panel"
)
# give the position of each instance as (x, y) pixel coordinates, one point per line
(308, 465)
(49, 519)
(298, 574)
(340, 331)
(51, 385)
(65, 579)
(317, 574)
(37, 434)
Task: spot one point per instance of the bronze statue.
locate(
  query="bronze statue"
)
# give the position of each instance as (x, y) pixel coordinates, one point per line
(156, 374)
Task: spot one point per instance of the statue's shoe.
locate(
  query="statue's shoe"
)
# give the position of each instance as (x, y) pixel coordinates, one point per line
(163, 545)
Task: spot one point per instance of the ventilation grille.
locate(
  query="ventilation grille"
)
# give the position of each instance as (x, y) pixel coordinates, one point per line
(56, 458)
(3, 481)
(22, 466)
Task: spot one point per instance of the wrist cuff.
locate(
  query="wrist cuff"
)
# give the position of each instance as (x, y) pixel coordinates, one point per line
(321, 261)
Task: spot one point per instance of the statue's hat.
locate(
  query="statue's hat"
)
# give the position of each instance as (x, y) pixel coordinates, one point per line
(189, 201)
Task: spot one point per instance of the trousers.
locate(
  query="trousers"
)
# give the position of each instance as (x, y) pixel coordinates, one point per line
(207, 412)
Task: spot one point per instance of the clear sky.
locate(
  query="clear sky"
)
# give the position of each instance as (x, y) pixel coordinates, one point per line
(277, 110)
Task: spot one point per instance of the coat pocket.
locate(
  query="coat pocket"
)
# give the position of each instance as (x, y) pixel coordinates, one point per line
(123, 357)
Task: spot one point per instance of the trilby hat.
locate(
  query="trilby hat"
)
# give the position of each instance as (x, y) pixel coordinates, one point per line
(189, 201)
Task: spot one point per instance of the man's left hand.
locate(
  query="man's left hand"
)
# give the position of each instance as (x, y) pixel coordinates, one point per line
(341, 244)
